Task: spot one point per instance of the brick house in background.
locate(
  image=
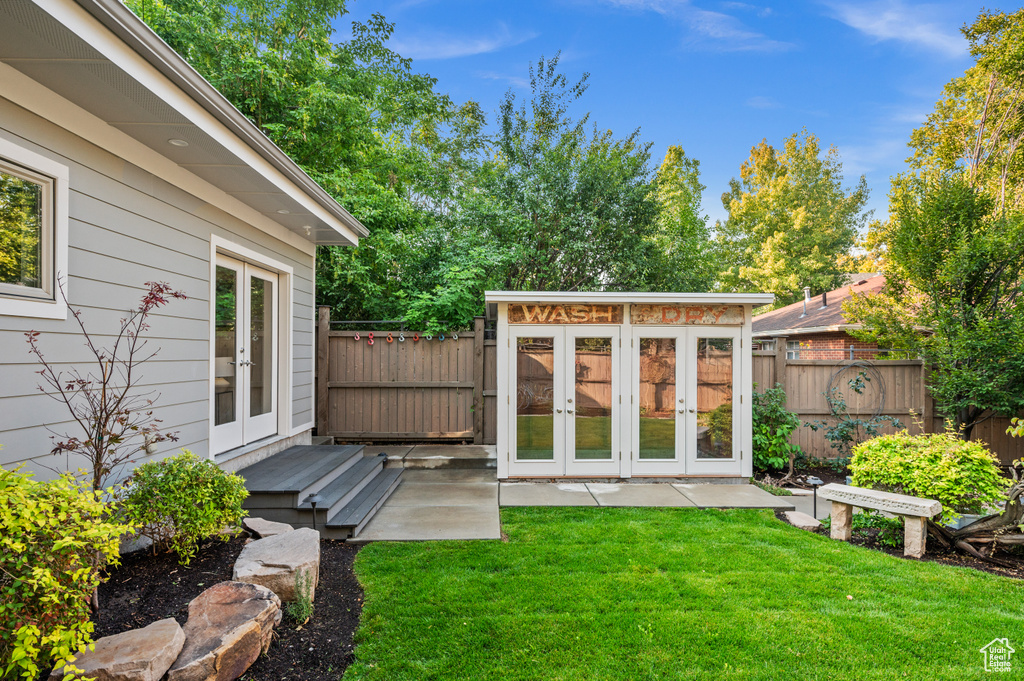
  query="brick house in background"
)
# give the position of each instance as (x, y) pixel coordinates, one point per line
(815, 328)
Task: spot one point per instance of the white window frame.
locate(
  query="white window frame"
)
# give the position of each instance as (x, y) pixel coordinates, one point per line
(44, 303)
(793, 349)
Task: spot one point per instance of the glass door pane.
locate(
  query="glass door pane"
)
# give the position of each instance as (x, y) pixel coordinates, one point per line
(593, 398)
(535, 398)
(226, 341)
(656, 401)
(261, 346)
(714, 398)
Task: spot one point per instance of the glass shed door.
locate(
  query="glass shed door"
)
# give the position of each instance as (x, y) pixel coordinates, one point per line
(566, 390)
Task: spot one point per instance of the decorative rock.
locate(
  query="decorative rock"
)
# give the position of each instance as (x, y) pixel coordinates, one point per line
(265, 528)
(228, 626)
(137, 655)
(274, 562)
(802, 520)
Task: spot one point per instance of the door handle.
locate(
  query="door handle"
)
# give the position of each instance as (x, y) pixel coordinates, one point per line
(681, 411)
(691, 411)
(568, 411)
(559, 411)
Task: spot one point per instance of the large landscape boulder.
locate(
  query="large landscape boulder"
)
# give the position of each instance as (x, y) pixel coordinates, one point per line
(228, 626)
(275, 562)
(137, 655)
(265, 528)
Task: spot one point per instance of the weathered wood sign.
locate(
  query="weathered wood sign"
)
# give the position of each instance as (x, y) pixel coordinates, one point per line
(564, 314)
(686, 314)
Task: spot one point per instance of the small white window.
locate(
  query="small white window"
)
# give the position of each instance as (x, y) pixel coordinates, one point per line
(792, 349)
(33, 233)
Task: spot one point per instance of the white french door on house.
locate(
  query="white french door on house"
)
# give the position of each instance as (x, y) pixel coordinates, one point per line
(566, 386)
(682, 414)
(245, 355)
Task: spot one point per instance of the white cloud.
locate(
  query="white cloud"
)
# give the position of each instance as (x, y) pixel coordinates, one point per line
(760, 102)
(708, 29)
(440, 46)
(877, 154)
(516, 81)
(893, 20)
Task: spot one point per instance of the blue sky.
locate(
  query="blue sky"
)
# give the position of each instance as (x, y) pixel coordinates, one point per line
(712, 76)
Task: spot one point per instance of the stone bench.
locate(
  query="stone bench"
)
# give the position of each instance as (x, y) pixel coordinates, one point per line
(914, 511)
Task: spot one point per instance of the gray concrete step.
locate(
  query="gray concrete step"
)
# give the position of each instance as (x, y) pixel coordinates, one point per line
(353, 487)
(358, 512)
(282, 480)
(440, 456)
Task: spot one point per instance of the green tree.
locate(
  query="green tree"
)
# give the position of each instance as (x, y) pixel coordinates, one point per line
(372, 132)
(954, 266)
(574, 210)
(683, 237)
(977, 126)
(790, 220)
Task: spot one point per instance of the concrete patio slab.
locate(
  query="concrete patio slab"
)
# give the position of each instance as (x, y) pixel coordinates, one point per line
(451, 456)
(613, 494)
(450, 475)
(444, 494)
(733, 496)
(421, 523)
(545, 494)
(396, 453)
(806, 505)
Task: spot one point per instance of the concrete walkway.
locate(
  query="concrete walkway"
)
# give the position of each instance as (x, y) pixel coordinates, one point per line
(653, 495)
(430, 504)
(453, 503)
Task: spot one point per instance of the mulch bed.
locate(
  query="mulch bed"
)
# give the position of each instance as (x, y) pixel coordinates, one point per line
(147, 588)
(935, 553)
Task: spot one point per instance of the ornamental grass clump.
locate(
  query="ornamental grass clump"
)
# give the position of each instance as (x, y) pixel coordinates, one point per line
(179, 501)
(57, 536)
(964, 476)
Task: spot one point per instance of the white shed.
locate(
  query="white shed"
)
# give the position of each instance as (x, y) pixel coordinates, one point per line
(623, 385)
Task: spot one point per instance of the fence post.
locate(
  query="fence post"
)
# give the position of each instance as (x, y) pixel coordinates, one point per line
(928, 409)
(478, 380)
(323, 351)
(780, 362)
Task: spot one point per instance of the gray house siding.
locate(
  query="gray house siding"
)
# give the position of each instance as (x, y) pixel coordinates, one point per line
(127, 227)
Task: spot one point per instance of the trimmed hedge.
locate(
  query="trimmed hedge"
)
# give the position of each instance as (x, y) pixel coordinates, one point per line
(963, 476)
(181, 500)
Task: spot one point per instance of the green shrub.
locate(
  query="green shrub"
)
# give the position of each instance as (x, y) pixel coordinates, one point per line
(773, 424)
(180, 500)
(886, 531)
(56, 537)
(963, 476)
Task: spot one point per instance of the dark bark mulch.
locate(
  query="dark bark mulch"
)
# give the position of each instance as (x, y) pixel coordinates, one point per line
(147, 588)
(868, 538)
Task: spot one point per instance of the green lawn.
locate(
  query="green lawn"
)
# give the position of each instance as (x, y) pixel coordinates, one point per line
(604, 593)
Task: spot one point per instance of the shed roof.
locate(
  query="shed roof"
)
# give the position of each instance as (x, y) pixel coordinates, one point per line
(791, 319)
(101, 57)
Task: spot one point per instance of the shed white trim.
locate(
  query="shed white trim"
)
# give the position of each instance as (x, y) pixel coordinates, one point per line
(617, 297)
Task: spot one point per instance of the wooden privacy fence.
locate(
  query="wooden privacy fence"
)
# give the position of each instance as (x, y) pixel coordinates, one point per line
(405, 390)
(897, 388)
(447, 390)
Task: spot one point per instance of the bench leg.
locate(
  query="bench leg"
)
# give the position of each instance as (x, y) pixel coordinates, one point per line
(842, 521)
(915, 535)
